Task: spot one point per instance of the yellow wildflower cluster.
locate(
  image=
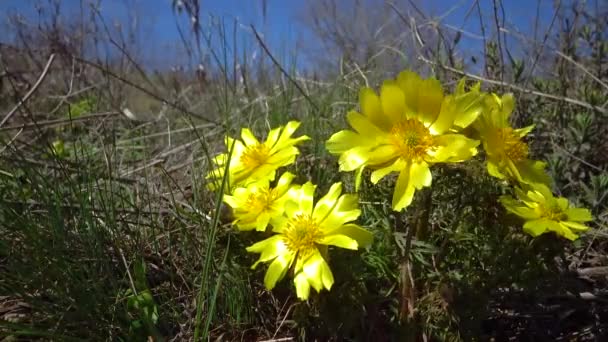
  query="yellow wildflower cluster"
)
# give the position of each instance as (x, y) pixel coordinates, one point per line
(302, 230)
(406, 128)
(412, 125)
(507, 157)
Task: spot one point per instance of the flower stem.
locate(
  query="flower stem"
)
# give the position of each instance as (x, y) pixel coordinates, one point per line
(419, 229)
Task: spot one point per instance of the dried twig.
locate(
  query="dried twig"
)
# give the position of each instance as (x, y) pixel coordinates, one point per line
(32, 91)
(148, 92)
(278, 65)
(59, 122)
(580, 66)
(600, 271)
(518, 88)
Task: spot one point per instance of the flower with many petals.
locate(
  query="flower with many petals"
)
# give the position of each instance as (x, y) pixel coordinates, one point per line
(257, 205)
(304, 234)
(252, 160)
(507, 153)
(409, 127)
(545, 213)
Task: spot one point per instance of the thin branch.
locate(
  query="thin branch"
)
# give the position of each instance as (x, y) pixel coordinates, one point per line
(500, 49)
(172, 104)
(278, 65)
(59, 122)
(580, 66)
(32, 91)
(518, 88)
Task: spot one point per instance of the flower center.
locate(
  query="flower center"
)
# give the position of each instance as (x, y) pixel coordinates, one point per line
(255, 156)
(301, 233)
(261, 200)
(553, 213)
(514, 148)
(412, 139)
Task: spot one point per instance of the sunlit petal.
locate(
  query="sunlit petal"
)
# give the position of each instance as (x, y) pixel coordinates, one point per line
(396, 166)
(339, 240)
(404, 190)
(354, 158)
(393, 101)
(363, 125)
(372, 108)
(248, 138)
(328, 202)
(277, 269)
(302, 286)
(420, 175)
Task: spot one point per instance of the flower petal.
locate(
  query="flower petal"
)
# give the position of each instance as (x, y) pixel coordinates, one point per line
(532, 171)
(343, 141)
(579, 214)
(302, 286)
(354, 158)
(446, 116)
(494, 170)
(404, 190)
(453, 148)
(575, 225)
(420, 175)
(516, 208)
(363, 236)
(277, 269)
(262, 222)
(382, 154)
(409, 82)
(522, 132)
(507, 103)
(273, 136)
(233, 201)
(284, 156)
(363, 125)
(284, 182)
(372, 108)
(312, 268)
(269, 248)
(346, 210)
(469, 105)
(238, 148)
(561, 230)
(430, 98)
(248, 138)
(327, 278)
(393, 101)
(279, 223)
(326, 204)
(286, 134)
(306, 198)
(358, 177)
(339, 240)
(262, 173)
(536, 227)
(378, 174)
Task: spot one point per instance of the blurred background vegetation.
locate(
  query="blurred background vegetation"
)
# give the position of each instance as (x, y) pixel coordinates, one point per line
(107, 231)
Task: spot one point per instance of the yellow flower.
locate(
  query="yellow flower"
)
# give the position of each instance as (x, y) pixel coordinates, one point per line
(545, 213)
(257, 205)
(303, 235)
(507, 153)
(252, 160)
(406, 129)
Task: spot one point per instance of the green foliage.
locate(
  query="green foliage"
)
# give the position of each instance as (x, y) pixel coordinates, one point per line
(84, 106)
(141, 307)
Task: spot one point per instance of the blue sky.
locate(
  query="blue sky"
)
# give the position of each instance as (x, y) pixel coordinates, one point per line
(160, 37)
